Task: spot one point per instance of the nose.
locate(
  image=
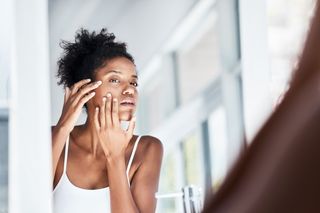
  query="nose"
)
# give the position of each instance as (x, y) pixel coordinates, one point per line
(128, 90)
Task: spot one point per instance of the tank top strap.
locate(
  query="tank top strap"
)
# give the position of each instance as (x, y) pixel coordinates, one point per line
(66, 156)
(132, 156)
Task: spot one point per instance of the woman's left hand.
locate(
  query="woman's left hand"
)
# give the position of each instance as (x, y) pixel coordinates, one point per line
(113, 139)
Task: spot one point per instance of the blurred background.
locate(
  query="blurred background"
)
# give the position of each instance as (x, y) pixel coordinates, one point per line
(210, 73)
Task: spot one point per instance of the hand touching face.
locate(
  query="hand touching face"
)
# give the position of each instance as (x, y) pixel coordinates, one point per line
(119, 78)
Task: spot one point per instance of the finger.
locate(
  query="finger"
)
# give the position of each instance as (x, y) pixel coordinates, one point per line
(131, 126)
(115, 113)
(85, 90)
(78, 85)
(85, 99)
(108, 110)
(66, 94)
(96, 118)
(103, 113)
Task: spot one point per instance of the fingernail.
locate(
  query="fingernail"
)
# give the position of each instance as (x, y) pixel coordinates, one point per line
(97, 108)
(109, 95)
(88, 79)
(98, 82)
(115, 100)
(104, 98)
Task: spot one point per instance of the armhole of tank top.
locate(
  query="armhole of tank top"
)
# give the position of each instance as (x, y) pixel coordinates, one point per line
(132, 156)
(65, 159)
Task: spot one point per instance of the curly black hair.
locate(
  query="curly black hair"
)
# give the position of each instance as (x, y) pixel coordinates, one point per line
(88, 52)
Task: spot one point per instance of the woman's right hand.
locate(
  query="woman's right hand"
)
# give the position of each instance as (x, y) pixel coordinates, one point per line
(74, 99)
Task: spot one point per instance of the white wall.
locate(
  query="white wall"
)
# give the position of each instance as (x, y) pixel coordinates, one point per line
(30, 183)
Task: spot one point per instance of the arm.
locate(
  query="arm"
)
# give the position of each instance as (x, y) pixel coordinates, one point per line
(59, 137)
(145, 181)
(114, 140)
(74, 99)
(141, 197)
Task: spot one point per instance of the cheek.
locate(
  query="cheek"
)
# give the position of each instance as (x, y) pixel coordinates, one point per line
(100, 93)
(103, 91)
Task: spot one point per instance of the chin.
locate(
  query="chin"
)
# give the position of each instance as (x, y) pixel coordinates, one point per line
(125, 116)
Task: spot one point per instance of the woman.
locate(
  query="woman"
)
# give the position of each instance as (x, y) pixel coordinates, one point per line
(98, 166)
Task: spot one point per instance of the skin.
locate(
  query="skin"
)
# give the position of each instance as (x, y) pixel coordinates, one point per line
(99, 150)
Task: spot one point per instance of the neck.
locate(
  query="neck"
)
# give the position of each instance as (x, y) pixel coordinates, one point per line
(89, 135)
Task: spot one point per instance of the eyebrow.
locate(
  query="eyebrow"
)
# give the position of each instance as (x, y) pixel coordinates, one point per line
(118, 72)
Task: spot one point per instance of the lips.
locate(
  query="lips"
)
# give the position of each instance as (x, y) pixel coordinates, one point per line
(127, 102)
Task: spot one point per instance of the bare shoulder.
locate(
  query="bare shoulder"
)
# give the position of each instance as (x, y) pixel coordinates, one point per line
(151, 142)
(151, 145)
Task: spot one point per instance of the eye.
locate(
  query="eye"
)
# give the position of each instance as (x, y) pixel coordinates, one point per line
(135, 84)
(114, 80)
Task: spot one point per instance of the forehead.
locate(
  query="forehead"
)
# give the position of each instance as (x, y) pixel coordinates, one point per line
(120, 64)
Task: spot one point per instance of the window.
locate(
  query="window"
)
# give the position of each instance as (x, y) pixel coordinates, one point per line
(218, 145)
(171, 182)
(193, 155)
(288, 22)
(198, 62)
(157, 96)
(183, 101)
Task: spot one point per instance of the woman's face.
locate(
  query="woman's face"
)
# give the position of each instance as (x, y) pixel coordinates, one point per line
(119, 77)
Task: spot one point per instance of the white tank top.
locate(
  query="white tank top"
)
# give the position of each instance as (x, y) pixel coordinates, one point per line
(68, 198)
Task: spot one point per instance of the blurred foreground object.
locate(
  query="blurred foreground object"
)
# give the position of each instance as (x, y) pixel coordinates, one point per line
(280, 170)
